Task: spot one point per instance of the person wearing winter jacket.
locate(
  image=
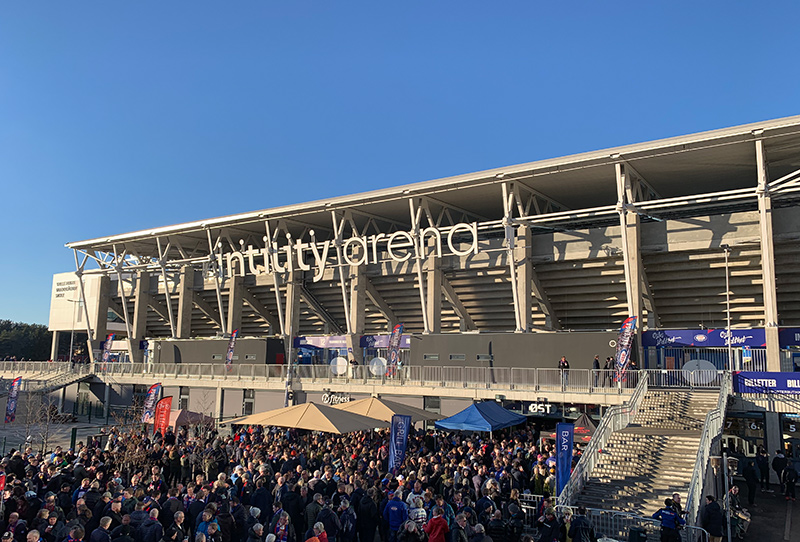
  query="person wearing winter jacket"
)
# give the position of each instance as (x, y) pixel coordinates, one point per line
(256, 533)
(581, 529)
(151, 530)
(437, 528)
(549, 526)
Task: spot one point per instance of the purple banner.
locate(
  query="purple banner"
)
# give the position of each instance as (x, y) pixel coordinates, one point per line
(564, 435)
(394, 350)
(398, 441)
(382, 341)
(624, 343)
(150, 401)
(678, 338)
(13, 396)
(229, 353)
(330, 341)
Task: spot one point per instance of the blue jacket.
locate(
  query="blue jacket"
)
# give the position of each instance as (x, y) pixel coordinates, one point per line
(396, 512)
(669, 518)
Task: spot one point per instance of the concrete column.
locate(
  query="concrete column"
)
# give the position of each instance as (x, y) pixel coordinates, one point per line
(106, 401)
(218, 403)
(100, 316)
(54, 346)
(139, 324)
(292, 320)
(235, 302)
(358, 303)
(184, 327)
(772, 430)
(767, 262)
(522, 261)
(433, 290)
(631, 255)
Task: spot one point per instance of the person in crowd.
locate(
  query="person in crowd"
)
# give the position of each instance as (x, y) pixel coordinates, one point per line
(671, 521)
(779, 463)
(549, 526)
(762, 461)
(437, 529)
(712, 519)
(789, 481)
(563, 367)
(734, 503)
(581, 529)
(751, 479)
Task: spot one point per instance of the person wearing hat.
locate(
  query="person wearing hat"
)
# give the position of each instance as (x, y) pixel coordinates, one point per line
(54, 531)
(548, 525)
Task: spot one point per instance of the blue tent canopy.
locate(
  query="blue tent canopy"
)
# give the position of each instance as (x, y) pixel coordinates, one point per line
(485, 416)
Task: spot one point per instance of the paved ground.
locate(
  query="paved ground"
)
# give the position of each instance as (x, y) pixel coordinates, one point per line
(773, 519)
(13, 435)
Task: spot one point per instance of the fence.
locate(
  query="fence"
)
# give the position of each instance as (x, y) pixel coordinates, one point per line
(712, 429)
(618, 525)
(616, 418)
(720, 357)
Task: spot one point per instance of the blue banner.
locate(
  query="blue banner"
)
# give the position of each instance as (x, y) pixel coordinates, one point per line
(676, 338)
(107, 347)
(758, 382)
(564, 435)
(231, 346)
(150, 401)
(13, 395)
(398, 441)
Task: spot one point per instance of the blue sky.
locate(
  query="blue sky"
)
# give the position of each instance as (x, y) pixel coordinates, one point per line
(119, 116)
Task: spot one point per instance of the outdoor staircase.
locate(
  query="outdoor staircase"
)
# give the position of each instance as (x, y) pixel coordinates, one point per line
(653, 457)
(50, 384)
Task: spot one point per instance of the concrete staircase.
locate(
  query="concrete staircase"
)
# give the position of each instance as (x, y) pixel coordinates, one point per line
(653, 457)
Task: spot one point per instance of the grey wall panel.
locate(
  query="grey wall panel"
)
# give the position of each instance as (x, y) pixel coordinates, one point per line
(232, 402)
(203, 400)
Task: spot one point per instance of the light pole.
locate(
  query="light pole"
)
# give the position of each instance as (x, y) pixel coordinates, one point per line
(727, 249)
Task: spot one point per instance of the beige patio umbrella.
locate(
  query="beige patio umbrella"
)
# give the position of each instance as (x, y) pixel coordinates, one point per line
(384, 409)
(313, 417)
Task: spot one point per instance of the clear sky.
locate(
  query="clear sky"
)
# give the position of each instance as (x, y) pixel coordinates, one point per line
(117, 116)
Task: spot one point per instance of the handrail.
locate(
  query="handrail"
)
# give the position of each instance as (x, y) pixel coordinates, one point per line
(616, 418)
(712, 429)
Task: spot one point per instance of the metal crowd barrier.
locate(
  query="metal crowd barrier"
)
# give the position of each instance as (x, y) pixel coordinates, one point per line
(618, 525)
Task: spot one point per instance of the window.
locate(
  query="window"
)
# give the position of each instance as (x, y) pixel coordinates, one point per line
(216, 357)
(250, 357)
(183, 399)
(432, 404)
(430, 357)
(248, 402)
(458, 357)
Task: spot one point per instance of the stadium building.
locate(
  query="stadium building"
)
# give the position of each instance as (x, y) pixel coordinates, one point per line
(494, 275)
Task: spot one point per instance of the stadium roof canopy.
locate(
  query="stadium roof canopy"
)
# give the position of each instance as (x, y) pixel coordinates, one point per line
(684, 166)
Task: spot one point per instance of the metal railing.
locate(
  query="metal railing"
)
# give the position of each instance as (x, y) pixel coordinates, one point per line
(712, 429)
(678, 378)
(616, 418)
(618, 525)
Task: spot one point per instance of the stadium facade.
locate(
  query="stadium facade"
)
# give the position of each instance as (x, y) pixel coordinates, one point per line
(505, 269)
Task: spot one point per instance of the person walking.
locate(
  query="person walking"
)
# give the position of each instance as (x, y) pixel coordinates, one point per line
(581, 529)
(779, 463)
(596, 370)
(670, 522)
(751, 479)
(789, 481)
(607, 368)
(762, 462)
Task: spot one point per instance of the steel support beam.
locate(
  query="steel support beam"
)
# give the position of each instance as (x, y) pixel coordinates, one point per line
(235, 302)
(262, 311)
(206, 308)
(377, 299)
(317, 308)
(141, 301)
(467, 323)
(767, 261)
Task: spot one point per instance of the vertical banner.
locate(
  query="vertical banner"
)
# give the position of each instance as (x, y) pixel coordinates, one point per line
(150, 403)
(163, 408)
(394, 350)
(624, 343)
(397, 443)
(564, 435)
(13, 396)
(107, 347)
(231, 346)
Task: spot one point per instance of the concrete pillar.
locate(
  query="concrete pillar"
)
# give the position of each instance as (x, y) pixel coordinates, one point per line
(433, 290)
(235, 302)
(358, 303)
(522, 259)
(184, 327)
(106, 401)
(100, 316)
(292, 320)
(139, 324)
(218, 403)
(773, 431)
(54, 346)
(767, 262)
(631, 255)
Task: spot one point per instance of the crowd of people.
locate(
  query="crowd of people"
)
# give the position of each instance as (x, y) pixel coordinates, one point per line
(264, 485)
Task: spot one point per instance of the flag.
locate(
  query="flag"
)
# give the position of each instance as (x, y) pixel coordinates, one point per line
(394, 350)
(13, 395)
(163, 408)
(564, 435)
(399, 439)
(107, 347)
(150, 403)
(231, 346)
(2, 481)
(624, 343)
